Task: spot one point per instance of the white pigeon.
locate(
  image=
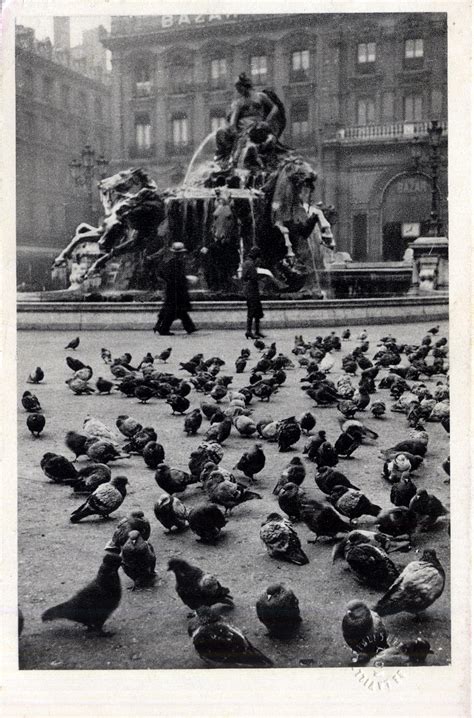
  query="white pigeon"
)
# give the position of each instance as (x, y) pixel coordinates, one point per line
(95, 427)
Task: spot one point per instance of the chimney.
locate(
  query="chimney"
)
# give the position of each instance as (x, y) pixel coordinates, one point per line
(62, 33)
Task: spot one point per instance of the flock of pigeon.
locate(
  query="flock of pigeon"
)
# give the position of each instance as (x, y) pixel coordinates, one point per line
(414, 381)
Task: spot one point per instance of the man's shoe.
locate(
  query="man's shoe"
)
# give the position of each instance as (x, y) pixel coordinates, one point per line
(191, 331)
(166, 334)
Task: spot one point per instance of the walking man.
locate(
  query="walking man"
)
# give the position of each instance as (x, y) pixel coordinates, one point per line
(176, 303)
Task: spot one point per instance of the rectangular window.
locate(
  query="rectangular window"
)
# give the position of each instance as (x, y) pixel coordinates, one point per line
(143, 131)
(47, 89)
(366, 52)
(300, 65)
(413, 108)
(258, 69)
(217, 121)
(299, 122)
(365, 112)
(218, 69)
(180, 131)
(413, 49)
(65, 97)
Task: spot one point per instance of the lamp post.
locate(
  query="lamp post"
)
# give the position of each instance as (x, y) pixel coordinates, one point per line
(434, 133)
(84, 170)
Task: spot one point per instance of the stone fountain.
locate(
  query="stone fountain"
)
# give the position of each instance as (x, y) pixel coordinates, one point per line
(256, 190)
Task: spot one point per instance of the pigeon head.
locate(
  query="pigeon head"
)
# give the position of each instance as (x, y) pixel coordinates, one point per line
(119, 481)
(164, 500)
(429, 555)
(417, 650)
(49, 455)
(289, 489)
(206, 615)
(179, 566)
(274, 590)
(357, 610)
(272, 517)
(137, 514)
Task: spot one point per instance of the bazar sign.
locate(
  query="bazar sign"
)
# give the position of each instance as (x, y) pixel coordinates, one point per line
(188, 20)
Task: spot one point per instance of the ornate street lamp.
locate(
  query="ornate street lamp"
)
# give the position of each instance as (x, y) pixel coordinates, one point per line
(415, 149)
(84, 170)
(434, 133)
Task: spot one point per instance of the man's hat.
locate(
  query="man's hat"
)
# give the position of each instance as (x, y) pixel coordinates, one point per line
(178, 247)
(244, 80)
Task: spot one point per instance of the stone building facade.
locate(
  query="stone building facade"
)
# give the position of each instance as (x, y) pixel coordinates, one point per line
(357, 89)
(62, 104)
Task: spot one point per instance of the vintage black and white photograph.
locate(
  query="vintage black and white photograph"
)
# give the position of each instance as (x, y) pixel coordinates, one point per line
(233, 347)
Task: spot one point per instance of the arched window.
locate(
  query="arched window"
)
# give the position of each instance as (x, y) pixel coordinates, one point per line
(299, 71)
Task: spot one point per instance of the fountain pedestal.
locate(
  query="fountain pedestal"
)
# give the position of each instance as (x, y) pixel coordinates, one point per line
(430, 264)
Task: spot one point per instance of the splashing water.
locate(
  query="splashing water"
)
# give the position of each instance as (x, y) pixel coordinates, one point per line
(196, 154)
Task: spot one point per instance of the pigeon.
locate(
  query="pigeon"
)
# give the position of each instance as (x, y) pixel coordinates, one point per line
(73, 344)
(244, 425)
(103, 451)
(104, 386)
(202, 455)
(192, 422)
(95, 427)
(346, 444)
(30, 403)
(398, 468)
(196, 588)
(171, 512)
(140, 439)
(165, 355)
(206, 521)
(36, 376)
(219, 431)
(294, 473)
(427, 507)
(106, 355)
(251, 462)
(135, 521)
(402, 491)
(361, 536)
(281, 540)
(35, 423)
(311, 448)
(179, 404)
(58, 468)
(326, 455)
(83, 374)
(363, 629)
(144, 393)
(229, 494)
(172, 480)
(218, 392)
(289, 498)
(94, 603)
(328, 478)
(398, 521)
(352, 503)
(412, 446)
(346, 334)
(378, 409)
(89, 478)
(369, 563)
(106, 499)
(78, 442)
(289, 433)
(433, 330)
(278, 609)
(240, 364)
(79, 386)
(138, 560)
(268, 430)
(322, 519)
(153, 454)
(220, 644)
(418, 586)
(408, 653)
(307, 421)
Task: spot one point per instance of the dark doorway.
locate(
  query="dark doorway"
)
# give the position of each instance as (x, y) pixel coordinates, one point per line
(393, 244)
(359, 243)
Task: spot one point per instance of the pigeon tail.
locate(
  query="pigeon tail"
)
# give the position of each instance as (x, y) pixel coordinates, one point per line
(59, 611)
(298, 557)
(81, 513)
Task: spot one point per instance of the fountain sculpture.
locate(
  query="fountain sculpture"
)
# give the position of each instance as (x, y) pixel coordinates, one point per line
(256, 190)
